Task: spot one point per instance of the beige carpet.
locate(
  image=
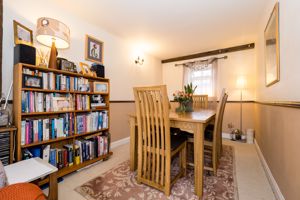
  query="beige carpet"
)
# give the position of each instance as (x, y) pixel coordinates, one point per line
(120, 183)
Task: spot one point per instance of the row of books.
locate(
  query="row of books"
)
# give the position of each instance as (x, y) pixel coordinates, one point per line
(92, 121)
(37, 130)
(42, 102)
(92, 148)
(83, 150)
(52, 81)
(83, 102)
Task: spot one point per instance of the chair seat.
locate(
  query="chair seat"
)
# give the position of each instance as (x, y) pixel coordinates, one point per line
(208, 134)
(177, 140)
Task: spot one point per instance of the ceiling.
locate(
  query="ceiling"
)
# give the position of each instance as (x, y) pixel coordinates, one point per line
(171, 28)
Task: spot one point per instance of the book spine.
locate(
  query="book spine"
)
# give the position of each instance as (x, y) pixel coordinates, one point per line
(23, 132)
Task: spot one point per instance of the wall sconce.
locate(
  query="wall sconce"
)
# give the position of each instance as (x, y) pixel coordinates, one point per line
(139, 60)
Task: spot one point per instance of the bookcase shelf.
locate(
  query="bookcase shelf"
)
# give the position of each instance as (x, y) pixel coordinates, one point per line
(67, 170)
(20, 116)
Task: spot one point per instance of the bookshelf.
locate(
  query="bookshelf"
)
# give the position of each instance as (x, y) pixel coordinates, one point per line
(78, 122)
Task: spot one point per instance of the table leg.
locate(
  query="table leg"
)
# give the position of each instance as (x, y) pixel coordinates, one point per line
(198, 158)
(53, 188)
(133, 157)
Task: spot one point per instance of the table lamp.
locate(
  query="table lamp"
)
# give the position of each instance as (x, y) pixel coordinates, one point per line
(241, 84)
(52, 33)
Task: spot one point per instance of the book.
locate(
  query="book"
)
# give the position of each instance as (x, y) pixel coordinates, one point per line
(46, 153)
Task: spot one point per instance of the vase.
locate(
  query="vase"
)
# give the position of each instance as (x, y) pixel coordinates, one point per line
(185, 107)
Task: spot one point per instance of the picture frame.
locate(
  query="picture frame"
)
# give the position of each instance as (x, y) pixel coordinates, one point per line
(100, 87)
(85, 68)
(272, 54)
(22, 34)
(93, 49)
(30, 81)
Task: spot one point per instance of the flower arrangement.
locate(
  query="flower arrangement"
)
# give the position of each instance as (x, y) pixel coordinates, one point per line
(185, 98)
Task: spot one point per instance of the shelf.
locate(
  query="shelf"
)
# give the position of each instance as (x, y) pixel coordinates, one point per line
(46, 91)
(47, 141)
(91, 110)
(67, 170)
(62, 138)
(63, 91)
(89, 133)
(57, 71)
(47, 113)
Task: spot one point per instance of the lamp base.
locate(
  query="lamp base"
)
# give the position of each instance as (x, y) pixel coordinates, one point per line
(53, 56)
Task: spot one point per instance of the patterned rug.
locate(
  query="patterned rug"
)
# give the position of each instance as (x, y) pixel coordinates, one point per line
(120, 183)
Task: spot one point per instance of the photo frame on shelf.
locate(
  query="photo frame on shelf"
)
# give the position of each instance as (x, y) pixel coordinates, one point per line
(85, 68)
(30, 81)
(272, 61)
(100, 87)
(93, 49)
(22, 34)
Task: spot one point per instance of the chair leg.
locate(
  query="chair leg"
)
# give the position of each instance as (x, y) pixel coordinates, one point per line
(184, 154)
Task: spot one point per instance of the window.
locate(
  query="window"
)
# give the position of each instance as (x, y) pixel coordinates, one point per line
(204, 78)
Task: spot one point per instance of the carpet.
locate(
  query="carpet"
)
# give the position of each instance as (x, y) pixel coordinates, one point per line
(120, 183)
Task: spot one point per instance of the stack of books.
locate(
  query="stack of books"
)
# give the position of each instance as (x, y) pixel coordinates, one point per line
(37, 130)
(4, 148)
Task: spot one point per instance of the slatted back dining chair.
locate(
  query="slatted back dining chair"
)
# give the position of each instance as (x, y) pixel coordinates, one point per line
(217, 133)
(200, 101)
(154, 139)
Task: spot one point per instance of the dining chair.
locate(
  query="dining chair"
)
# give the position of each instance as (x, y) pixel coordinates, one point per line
(213, 135)
(200, 101)
(156, 146)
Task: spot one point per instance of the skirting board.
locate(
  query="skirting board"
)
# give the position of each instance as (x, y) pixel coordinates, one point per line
(226, 135)
(273, 183)
(120, 142)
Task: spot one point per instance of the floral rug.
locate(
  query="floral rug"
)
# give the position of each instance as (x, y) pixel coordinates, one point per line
(120, 183)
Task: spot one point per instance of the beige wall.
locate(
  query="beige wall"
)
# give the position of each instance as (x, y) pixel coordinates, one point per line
(119, 120)
(277, 128)
(277, 133)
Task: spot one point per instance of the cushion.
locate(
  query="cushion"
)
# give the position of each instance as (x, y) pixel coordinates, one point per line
(22, 191)
(208, 134)
(176, 141)
(3, 178)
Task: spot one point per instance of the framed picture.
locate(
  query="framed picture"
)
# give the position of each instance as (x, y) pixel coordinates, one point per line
(100, 87)
(85, 68)
(22, 34)
(93, 49)
(30, 81)
(272, 65)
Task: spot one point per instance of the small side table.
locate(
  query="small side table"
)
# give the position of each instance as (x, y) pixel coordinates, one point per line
(11, 131)
(31, 170)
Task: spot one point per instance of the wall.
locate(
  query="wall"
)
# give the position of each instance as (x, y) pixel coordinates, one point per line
(277, 128)
(118, 54)
(238, 63)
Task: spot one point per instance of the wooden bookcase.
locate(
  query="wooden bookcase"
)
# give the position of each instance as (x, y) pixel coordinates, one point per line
(57, 142)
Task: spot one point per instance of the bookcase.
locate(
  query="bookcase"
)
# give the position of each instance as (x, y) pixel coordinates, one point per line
(61, 116)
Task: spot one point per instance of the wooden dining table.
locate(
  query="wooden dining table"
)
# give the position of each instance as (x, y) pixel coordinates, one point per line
(193, 122)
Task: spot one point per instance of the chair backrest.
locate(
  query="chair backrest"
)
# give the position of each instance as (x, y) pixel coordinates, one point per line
(218, 118)
(154, 145)
(200, 101)
(217, 134)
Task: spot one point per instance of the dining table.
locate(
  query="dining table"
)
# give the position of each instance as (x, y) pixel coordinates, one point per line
(194, 122)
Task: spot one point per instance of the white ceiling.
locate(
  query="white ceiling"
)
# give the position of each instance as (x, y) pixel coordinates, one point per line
(171, 28)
